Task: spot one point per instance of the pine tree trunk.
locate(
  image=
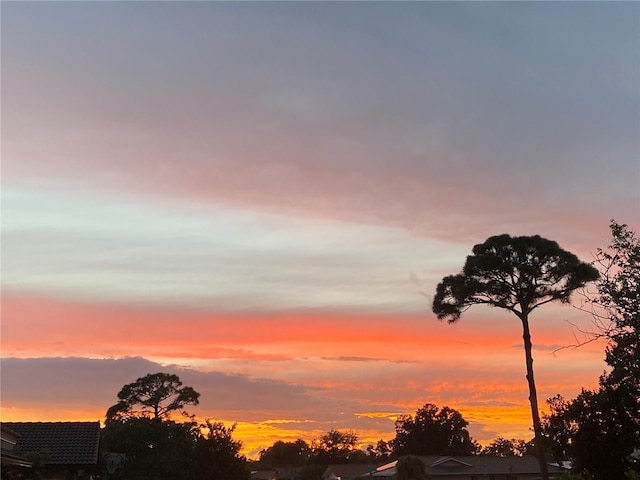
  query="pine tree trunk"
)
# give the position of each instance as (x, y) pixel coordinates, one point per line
(533, 397)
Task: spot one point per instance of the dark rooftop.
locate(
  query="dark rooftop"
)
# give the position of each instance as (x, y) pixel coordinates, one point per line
(486, 464)
(350, 470)
(68, 443)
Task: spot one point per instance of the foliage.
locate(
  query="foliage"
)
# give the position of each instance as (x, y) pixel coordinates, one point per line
(154, 449)
(410, 467)
(604, 432)
(157, 395)
(619, 298)
(157, 447)
(312, 471)
(163, 449)
(433, 431)
(380, 451)
(336, 441)
(217, 456)
(557, 429)
(632, 474)
(335, 446)
(599, 429)
(502, 447)
(285, 454)
(35, 472)
(517, 274)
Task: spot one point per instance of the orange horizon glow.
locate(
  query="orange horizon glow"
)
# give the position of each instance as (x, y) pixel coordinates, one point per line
(511, 422)
(417, 360)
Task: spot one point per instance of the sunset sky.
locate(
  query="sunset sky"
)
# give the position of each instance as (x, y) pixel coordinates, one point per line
(261, 197)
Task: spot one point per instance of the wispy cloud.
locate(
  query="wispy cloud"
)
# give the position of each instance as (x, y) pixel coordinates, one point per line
(362, 359)
(213, 258)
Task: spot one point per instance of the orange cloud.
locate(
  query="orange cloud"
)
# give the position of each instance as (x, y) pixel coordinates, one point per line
(56, 326)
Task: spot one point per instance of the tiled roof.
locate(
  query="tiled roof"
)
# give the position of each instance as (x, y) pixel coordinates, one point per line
(68, 443)
(7, 432)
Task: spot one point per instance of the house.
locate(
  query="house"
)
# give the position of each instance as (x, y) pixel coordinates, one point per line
(69, 449)
(283, 473)
(347, 471)
(8, 440)
(476, 467)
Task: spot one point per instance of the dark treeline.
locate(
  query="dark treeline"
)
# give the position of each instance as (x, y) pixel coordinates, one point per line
(430, 431)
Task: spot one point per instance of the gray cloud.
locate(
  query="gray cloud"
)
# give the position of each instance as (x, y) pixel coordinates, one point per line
(73, 383)
(479, 107)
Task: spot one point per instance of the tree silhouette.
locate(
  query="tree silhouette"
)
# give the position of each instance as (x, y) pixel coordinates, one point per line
(433, 431)
(600, 429)
(503, 447)
(410, 467)
(155, 449)
(380, 451)
(156, 395)
(335, 446)
(285, 454)
(619, 298)
(216, 455)
(517, 274)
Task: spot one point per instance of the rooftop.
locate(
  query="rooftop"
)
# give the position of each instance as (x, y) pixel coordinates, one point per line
(67, 443)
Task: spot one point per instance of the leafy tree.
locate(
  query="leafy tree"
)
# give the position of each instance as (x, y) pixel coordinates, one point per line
(312, 471)
(157, 447)
(163, 449)
(619, 298)
(517, 274)
(599, 429)
(557, 428)
(36, 471)
(380, 451)
(595, 431)
(335, 446)
(154, 449)
(157, 395)
(217, 456)
(285, 454)
(433, 431)
(410, 467)
(603, 432)
(502, 447)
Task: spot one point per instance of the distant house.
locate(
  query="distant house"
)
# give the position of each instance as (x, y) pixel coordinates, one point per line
(477, 467)
(284, 473)
(347, 471)
(8, 440)
(70, 449)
